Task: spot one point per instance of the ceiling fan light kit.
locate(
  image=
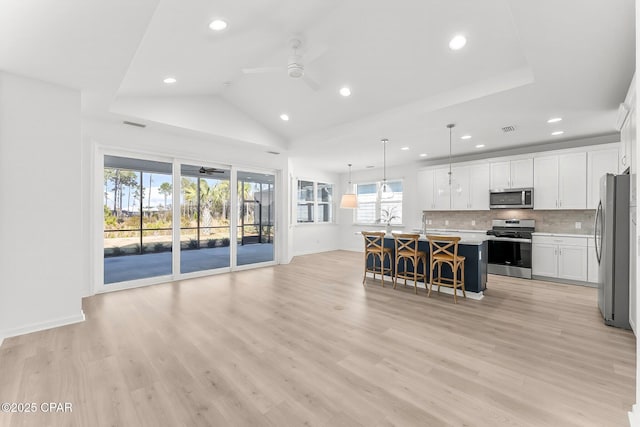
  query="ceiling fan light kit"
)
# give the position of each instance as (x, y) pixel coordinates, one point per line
(209, 171)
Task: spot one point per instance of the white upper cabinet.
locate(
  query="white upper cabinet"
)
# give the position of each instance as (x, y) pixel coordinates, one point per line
(560, 182)
(500, 175)
(511, 174)
(599, 162)
(479, 187)
(522, 173)
(433, 189)
(469, 188)
(545, 183)
(563, 179)
(572, 181)
(442, 196)
(426, 186)
(460, 188)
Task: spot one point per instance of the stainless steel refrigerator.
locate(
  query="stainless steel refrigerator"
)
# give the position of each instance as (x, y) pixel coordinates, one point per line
(612, 249)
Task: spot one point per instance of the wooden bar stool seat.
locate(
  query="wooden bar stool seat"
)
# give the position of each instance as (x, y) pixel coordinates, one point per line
(444, 250)
(374, 247)
(407, 252)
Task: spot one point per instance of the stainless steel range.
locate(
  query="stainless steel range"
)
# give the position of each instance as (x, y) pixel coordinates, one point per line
(510, 247)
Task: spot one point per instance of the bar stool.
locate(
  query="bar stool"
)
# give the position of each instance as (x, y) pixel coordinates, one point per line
(374, 246)
(444, 250)
(406, 246)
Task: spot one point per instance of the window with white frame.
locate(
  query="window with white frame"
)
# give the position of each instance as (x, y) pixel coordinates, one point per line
(375, 207)
(315, 202)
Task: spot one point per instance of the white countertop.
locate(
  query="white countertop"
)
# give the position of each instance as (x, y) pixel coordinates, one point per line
(562, 234)
(467, 237)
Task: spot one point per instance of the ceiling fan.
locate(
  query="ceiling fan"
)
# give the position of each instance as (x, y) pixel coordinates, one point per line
(209, 171)
(295, 66)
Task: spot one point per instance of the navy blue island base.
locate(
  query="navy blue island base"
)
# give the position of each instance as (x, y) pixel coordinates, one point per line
(475, 265)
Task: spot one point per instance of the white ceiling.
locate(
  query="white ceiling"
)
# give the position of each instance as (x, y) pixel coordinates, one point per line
(525, 61)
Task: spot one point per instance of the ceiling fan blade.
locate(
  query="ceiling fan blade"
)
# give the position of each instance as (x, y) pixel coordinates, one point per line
(311, 82)
(315, 52)
(209, 171)
(260, 70)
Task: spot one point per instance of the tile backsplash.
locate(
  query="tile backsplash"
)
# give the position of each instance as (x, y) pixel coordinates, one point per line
(557, 221)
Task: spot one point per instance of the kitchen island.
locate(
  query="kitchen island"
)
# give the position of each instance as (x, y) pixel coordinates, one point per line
(473, 246)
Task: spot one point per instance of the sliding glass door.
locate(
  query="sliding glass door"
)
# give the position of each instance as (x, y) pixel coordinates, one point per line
(205, 218)
(137, 219)
(256, 218)
(224, 218)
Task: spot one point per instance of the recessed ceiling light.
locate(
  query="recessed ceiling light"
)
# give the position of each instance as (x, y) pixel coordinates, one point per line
(284, 117)
(558, 132)
(465, 137)
(457, 42)
(218, 25)
(345, 91)
(404, 148)
(554, 120)
(423, 155)
(170, 80)
(480, 146)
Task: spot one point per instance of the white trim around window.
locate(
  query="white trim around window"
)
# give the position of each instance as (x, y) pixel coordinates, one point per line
(313, 202)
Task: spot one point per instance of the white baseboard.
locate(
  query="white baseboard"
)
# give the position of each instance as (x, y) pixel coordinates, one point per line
(311, 252)
(41, 326)
(632, 322)
(634, 416)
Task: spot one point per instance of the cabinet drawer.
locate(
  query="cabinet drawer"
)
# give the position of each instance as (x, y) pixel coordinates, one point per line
(560, 240)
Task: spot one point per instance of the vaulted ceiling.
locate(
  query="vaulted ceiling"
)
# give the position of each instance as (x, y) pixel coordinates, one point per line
(524, 62)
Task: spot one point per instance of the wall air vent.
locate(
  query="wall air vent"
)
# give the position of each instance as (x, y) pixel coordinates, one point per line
(508, 129)
(139, 125)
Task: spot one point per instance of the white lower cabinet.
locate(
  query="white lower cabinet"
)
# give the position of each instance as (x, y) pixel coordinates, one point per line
(544, 260)
(560, 257)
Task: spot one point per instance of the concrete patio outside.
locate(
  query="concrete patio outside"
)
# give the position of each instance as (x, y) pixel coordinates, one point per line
(133, 267)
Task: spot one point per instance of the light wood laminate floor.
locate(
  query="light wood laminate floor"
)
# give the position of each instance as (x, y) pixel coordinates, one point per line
(307, 344)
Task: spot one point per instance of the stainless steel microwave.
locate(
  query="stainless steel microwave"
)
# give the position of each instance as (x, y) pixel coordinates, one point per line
(511, 198)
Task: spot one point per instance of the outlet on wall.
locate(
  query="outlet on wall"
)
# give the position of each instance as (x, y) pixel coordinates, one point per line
(446, 222)
(473, 222)
(578, 225)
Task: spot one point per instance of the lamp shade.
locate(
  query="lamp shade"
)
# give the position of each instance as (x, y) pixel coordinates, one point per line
(349, 201)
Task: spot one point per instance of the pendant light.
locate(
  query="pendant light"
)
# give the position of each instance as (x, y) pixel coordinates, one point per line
(450, 126)
(385, 189)
(349, 199)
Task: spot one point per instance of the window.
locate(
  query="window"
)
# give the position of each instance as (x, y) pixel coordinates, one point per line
(315, 202)
(373, 209)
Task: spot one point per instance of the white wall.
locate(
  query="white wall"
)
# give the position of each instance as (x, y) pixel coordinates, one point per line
(208, 114)
(411, 214)
(314, 238)
(40, 206)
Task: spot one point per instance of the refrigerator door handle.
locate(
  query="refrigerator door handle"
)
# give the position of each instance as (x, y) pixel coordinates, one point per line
(598, 232)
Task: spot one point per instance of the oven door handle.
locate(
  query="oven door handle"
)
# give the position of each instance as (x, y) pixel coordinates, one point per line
(509, 239)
